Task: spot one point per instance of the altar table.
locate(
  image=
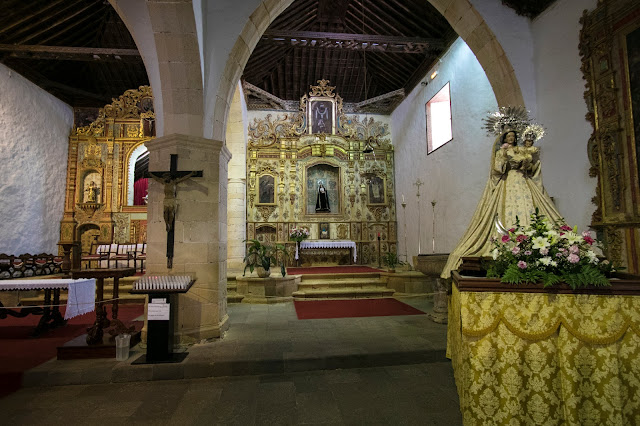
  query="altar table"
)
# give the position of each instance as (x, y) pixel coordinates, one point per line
(80, 300)
(528, 355)
(313, 244)
(95, 333)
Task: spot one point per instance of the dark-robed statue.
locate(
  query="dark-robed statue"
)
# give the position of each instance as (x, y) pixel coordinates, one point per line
(322, 201)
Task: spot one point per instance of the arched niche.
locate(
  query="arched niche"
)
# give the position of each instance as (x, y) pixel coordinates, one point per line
(329, 175)
(266, 234)
(88, 234)
(137, 152)
(91, 189)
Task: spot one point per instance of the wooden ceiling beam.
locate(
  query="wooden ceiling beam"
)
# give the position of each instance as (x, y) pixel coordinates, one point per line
(380, 17)
(42, 22)
(75, 23)
(60, 21)
(373, 43)
(69, 53)
(27, 17)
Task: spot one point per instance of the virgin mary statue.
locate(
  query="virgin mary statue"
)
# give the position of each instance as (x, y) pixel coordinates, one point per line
(513, 192)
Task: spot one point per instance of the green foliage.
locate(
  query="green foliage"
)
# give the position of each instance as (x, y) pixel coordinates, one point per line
(548, 253)
(391, 260)
(264, 255)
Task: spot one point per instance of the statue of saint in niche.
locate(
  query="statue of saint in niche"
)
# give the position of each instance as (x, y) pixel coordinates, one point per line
(91, 193)
(322, 200)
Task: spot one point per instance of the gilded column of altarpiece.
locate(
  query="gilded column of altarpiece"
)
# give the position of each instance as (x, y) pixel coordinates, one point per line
(290, 155)
(610, 51)
(100, 164)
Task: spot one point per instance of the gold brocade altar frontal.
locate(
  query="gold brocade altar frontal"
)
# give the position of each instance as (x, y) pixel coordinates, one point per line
(545, 358)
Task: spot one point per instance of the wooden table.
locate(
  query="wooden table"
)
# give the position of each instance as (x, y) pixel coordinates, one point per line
(95, 332)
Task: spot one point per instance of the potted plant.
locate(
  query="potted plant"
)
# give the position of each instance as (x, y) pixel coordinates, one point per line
(262, 256)
(391, 260)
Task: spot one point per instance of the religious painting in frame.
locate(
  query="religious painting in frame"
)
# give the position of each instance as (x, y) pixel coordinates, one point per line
(266, 190)
(323, 231)
(321, 115)
(377, 195)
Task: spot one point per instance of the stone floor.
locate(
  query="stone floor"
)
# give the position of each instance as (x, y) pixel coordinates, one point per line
(270, 368)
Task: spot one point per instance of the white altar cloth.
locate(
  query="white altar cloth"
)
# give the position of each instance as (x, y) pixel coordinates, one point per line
(310, 244)
(81, 298)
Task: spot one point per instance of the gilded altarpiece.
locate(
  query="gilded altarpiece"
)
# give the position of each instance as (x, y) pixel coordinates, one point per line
(300, 155)
(100, 173)
(610, 50)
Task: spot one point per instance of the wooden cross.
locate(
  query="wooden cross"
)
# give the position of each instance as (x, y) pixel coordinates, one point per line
(170, 180)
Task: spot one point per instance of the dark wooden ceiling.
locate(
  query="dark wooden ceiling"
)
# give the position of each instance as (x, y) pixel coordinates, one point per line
(528, 8)
(366, 48)
(78, 50)
(81, 51)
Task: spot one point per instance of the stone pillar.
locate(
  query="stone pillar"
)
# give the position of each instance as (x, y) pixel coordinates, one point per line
(200, 232)
(236, 139)
(236, 228)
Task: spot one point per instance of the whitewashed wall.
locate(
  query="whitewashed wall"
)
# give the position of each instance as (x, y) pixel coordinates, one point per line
(34, 137)
(454, 174)
(561, 109)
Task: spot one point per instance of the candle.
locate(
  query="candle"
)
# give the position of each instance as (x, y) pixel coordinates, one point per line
(403, 198)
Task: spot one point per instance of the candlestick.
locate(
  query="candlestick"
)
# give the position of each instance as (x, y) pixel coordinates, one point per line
(433, 233)
(419, 183)
(406, 251)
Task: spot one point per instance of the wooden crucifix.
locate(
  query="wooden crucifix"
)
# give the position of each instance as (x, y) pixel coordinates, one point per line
(170, 180)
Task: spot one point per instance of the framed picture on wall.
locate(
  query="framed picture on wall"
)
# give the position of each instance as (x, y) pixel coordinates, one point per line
(321, 115)
(376, 189)
(266, 190)
(323, 231)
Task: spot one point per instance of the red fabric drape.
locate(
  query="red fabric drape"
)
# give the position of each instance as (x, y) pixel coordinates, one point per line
(140, 190)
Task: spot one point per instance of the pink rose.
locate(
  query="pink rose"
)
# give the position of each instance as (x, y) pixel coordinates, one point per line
(520, 238)
(587, 238)
(573, 258)
(566, 228)
(515, 250)
(522, 264)
(512, 230)
(574, 249)
(527, 253)
(505, 238)
(544, 251)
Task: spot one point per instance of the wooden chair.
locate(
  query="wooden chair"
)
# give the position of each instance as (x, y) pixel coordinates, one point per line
(124, 252)
(140, 256)
(94, 256)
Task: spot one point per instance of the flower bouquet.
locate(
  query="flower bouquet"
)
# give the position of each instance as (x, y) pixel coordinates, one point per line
(547, 253)
(299, 234)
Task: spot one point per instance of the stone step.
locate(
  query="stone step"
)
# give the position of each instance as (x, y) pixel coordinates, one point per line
(344, 277)
(356, 284)
(125, 298)
(343, 293)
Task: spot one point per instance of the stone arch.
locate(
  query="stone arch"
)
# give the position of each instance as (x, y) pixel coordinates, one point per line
(461, 15)
(169, 48)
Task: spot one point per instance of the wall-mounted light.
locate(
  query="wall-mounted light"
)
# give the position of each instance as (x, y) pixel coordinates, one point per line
(433, 74)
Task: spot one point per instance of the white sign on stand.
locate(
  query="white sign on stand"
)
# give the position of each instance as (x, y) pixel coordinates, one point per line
(158, 310)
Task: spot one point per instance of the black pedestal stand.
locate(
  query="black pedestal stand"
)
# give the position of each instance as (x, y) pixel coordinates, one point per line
(160, 332)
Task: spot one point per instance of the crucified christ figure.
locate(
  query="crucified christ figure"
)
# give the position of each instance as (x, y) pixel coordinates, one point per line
(170, 203)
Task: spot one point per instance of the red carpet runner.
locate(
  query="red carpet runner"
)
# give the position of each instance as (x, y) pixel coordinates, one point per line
(351, 269)
(20, 352)
(319, 309)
